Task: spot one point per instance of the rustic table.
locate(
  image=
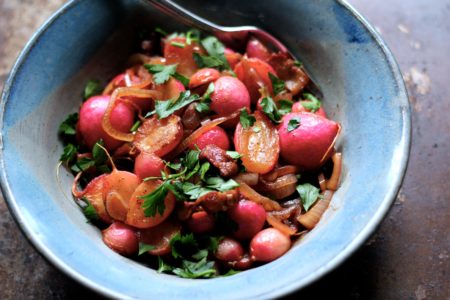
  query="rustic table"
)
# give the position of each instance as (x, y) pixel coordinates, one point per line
(407, 258)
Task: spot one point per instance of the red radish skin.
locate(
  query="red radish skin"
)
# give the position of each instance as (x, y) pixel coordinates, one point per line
(242, 264)
(201, 222)
(254, 73)
(268, 245)
(216, 136)
(307, 146)
(229, 95)
(229, 250)
(90, 122)
(298, 107)
(121, 238)
(148, 165)
(250, 218)
(201, 79)
(232, 57)
(256, 49)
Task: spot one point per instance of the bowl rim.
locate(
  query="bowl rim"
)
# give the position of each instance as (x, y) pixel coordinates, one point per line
(290, 287)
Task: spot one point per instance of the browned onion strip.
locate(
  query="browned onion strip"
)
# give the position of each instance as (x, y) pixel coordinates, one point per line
(277, 224)
(322, 182)
(281, 171)
(144, 76)
(117, 94)
(204, 128)
(280, 188)
(248, 178)
(285, 213)
(252, 195)
(333, 182)
(312, 216)
(331, 148)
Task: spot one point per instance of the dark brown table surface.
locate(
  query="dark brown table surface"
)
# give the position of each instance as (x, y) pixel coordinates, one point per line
(407, 258)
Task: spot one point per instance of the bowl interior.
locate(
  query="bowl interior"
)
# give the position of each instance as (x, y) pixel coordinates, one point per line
(92, 39)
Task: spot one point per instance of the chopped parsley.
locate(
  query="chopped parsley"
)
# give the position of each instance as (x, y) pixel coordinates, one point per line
(92, 88)
(312, 105)
(270, 109)
(164, 108)
(161, 73)
(181, 185)
(69, 153)
(245, 119)
(154, 202)
(215, 58)
(135, 126)
(161, 31)
(277, 84)
(144, 248)
(205, 100)
(308, 194)
(293, 124)
(177, 44)
(67, 127)
(284, 106)
(234, 154)
(89, 211)
(190, 253)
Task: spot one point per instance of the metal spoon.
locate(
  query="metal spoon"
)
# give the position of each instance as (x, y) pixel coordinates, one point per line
(230, 35)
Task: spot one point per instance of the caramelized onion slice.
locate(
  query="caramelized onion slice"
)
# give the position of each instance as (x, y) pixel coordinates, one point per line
(312, 216)
(145, 78)
(281, 171)
(281, 188)
(117, 94)
(277, 224)
(333, 182)
(248, 178)
(250, 194)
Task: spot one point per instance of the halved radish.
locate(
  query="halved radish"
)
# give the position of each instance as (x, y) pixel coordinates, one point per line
(160, 236)
(159, 136)
(136, 216)
(258, 144)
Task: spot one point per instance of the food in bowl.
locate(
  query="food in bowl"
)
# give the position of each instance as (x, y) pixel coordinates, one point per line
(201, 161)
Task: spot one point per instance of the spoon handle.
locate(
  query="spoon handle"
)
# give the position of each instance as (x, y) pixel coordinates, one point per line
(186, 17)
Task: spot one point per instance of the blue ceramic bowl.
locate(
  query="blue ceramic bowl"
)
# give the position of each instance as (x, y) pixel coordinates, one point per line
(362, 88)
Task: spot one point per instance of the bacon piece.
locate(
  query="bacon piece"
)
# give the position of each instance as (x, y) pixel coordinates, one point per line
(191, 117)
(211, 202)
(293, 75)
(218, 201)
(220, 159)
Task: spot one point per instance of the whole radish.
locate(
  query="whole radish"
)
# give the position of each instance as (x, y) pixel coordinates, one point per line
(201, 222)
(268, 245)
(121, 238)
(216, 136)
(306, 139)
(229, 95)
(256, 49)
(250, 218)
(229, 250)
(90, 122)
(148, 165)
